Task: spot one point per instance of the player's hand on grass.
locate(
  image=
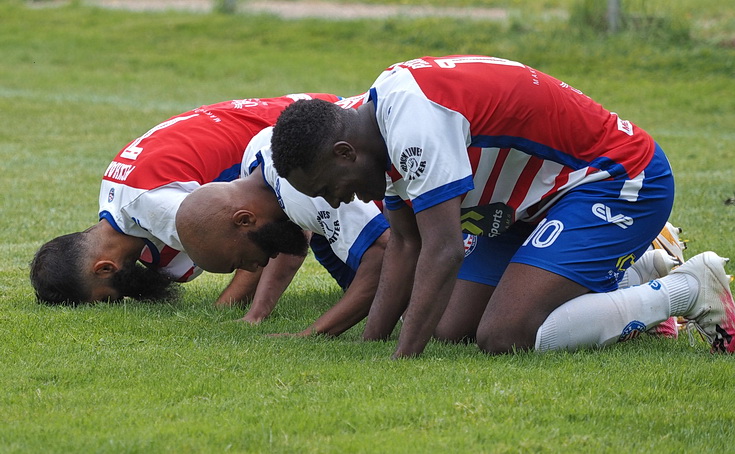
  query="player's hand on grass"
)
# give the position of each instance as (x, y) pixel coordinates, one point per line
(305, 333)
(251, 319)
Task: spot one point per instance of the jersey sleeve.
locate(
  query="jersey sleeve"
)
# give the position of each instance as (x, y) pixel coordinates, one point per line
(151, 216)
(252, 157)
(155, 211)
(350, 229)
(427, 143)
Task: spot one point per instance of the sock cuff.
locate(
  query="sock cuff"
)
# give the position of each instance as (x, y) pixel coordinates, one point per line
(546, 336)
(679, 288)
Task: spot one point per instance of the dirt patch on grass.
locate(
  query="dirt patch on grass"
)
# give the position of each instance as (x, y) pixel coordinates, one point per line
(309, 9)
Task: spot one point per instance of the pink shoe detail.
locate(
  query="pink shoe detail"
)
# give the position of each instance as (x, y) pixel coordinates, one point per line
(667, 328)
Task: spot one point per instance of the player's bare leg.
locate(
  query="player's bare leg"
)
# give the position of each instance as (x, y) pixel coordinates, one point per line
(462, 315)
(523, 299)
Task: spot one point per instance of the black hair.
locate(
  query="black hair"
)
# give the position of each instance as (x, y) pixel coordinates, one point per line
(143, 283)
(280, 237)
(56, 270)
(302, 130)
(57, 275)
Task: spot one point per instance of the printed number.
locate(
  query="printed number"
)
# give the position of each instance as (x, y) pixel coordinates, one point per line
(133, 150)
(452, 62)
(545, 234)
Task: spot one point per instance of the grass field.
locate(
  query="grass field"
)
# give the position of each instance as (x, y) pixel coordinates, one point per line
(77, 83)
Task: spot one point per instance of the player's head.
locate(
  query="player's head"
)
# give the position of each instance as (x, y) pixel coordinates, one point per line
(57, 270)
(326, 151)
(304, 131)
(66, 270)
(220, 235)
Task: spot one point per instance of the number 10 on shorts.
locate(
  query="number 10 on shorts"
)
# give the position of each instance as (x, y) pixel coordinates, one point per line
(545, 233)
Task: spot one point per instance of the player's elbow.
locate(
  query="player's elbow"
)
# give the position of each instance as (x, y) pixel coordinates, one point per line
(382, 241)
(449, 255)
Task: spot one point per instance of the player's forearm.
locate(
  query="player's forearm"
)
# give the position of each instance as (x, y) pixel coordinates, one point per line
(275, 278)
(240, 289)
(436, 273)
(355, 304)
(442, 253)
(394, 289)
(341, 317)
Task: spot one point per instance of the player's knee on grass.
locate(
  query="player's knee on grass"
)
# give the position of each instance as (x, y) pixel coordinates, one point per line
(497, 337)
(454, 334)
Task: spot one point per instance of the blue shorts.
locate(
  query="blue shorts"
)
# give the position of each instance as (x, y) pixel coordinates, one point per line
(590, 236)
(338, 269)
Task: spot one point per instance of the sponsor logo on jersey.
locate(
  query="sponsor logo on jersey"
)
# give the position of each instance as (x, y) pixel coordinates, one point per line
(624, 125)
(349, 103)
(487, 220)
(119, 171)
(298, 96)
(331, 228)
(417, 63)
(603, 212)
(111, 195)
(411, 164)
(632, 330)
(470, 243)
(242, 103)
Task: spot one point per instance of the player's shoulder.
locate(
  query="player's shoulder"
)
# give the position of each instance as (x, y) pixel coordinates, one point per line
(259, 148)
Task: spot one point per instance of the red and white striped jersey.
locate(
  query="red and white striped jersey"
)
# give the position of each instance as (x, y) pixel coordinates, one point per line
(144, 185)
(496, 131)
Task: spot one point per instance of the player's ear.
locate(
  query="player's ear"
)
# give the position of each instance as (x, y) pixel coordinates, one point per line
(243, 218)
(344, 150)
(104, 268)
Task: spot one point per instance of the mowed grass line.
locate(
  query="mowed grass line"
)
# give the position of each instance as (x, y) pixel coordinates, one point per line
(77, 83)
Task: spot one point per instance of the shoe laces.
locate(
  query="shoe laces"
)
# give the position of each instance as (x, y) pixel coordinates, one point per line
(692, 326)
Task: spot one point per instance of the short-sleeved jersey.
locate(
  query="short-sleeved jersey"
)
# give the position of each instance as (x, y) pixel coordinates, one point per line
(145, 184)
(350, 229)
(497, 132)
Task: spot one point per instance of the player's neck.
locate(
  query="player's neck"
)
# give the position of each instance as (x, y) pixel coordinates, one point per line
(118, 246)
(257, 196)
(368, 133)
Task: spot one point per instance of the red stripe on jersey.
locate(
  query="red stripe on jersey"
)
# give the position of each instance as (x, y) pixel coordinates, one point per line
(186, 275)
(146, 256)
(487, 192)
(474, 154)
(525, 180)
(167, 254)
(394, 174)
(561, 179)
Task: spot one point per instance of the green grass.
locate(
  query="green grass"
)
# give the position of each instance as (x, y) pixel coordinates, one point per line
(77, 83)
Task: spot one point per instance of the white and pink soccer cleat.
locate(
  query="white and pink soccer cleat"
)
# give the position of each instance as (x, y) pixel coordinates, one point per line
(713, 311)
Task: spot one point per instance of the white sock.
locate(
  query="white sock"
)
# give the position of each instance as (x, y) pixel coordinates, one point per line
(682, 289)
(653, 264)
(599, 319)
